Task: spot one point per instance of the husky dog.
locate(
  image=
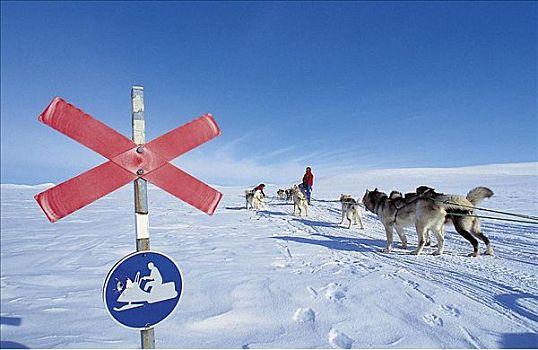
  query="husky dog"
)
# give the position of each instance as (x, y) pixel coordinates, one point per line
(392, 216)
(281, 194)
(257, 201)
(299, 201)
(434, 209)
(249, 197)
(254, 199)
(350, 210)
(289, 193)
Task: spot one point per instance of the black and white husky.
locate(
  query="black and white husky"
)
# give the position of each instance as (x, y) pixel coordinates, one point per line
(350, 211)
(284, 194)
(289, 193)
(391, 216)
(254, 199)
(433, 210)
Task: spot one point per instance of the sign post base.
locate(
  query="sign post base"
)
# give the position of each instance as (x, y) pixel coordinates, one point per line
(147, 338)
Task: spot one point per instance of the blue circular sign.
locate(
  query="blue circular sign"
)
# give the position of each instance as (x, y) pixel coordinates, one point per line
(142, 289)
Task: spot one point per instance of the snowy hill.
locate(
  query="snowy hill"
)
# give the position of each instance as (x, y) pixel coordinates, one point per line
(268, 279)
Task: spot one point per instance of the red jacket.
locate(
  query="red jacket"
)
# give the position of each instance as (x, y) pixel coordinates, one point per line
(260, 187)
(308, 178)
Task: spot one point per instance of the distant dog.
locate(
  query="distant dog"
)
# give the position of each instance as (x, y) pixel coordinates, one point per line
(350, 210)
(433, 210)
(249, 197)
(391, 216)
(289, 193)
(299, 201)
(281, 194)
(254, 199)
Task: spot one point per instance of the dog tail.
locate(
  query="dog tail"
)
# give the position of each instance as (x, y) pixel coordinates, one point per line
(477, 194)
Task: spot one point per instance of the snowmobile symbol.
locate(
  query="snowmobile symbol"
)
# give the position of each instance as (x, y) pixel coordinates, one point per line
(154, 290)
(142, 289)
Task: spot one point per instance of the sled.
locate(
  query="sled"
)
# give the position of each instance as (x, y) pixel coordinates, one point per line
(135, 296)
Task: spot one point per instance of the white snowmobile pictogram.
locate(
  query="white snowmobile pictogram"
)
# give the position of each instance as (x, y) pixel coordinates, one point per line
(155, 292)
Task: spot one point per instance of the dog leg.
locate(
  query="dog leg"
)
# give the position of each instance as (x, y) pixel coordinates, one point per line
(356, 216)
(359, 216)
(389, 233)
(458, 225)
(401, 234)
(476, 231)
(343, 214)
(489, 248)
(421, 233)
(349, 226)
(427, 238)
(440, 235)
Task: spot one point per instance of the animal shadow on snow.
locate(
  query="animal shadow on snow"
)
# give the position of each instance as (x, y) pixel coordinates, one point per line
(269, 213)
(510, 301)
(236, 208)
(519, 341)
(339, 243)
(326, 200)
(287, 204)
(313, 223)
(331, 210)
(11, 321)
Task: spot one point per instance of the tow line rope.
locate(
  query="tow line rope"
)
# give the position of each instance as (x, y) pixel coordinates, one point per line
(524, 216)
(494, 218)
(530, 217)
(271, 200)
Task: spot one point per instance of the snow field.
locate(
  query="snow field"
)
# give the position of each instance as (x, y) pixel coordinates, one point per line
(268, 279)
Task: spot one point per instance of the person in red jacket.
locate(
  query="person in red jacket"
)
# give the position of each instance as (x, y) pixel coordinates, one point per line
(260, 187)
(308, 182)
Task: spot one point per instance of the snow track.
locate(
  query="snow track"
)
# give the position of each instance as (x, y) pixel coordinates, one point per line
(267, 279)
(503, 286)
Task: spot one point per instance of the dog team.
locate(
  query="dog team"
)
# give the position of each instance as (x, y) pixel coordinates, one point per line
(300, 194)
(429, 211)
(424, 209)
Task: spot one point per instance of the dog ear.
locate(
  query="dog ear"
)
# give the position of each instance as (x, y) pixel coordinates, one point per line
(375, 190)
(424, 189)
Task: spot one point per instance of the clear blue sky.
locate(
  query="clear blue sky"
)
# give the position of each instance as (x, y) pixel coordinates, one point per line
(338, 86)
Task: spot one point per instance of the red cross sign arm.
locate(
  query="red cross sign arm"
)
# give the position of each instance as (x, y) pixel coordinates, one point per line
(127, 161)
(75, 193)
(83, 128)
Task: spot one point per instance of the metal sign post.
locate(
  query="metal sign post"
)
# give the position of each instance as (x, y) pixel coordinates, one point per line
(147, 336)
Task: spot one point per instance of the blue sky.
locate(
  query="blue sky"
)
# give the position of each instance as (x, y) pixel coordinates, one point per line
(339, 86)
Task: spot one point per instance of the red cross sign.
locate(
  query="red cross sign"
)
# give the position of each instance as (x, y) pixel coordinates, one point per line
(127, 161)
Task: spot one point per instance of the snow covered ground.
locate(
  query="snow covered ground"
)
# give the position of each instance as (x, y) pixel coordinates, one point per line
(268, 279)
